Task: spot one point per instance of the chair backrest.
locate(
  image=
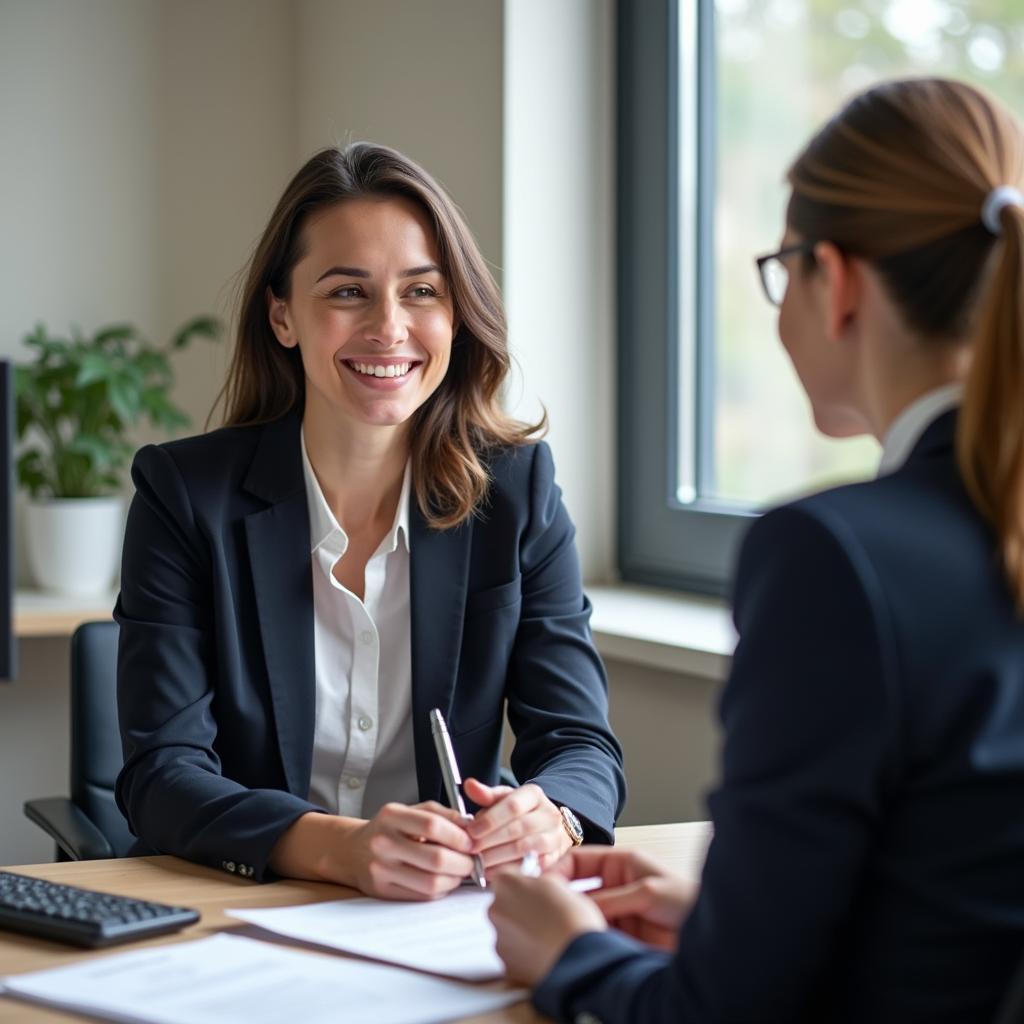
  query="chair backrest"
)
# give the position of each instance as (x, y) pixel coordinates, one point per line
(96, 755)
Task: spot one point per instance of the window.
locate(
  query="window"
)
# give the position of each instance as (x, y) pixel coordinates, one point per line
(715, 98)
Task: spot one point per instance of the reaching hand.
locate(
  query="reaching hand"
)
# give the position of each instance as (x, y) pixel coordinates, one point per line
(535, 919)
(638, 896)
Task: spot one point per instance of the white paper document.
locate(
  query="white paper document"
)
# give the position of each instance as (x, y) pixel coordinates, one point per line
(231, 980)
(451, 936)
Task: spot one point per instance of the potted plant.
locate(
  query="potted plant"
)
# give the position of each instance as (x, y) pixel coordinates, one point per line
(76, 402)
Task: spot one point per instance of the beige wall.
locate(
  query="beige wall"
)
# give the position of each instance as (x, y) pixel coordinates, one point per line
(78, 163)
(668, 730)
(424, 78)
(34, 746)
(226, 144)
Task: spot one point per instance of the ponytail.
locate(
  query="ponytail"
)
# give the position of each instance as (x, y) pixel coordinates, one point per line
(990, 432)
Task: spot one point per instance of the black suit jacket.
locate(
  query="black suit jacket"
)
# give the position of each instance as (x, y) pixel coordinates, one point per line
(868, 857)
(216, 683)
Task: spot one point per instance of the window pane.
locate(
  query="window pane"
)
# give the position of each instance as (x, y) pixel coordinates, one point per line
(783, 66)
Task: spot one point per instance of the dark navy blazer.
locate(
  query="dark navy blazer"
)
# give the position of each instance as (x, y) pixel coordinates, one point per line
(868, 857)
(216, 675)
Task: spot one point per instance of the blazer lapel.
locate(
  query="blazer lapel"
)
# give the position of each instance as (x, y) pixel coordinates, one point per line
(278, 541)
(438, 576)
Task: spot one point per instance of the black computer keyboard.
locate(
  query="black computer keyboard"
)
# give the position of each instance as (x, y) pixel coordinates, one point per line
(84, 917)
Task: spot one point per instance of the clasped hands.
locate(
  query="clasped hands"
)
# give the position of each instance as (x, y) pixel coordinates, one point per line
(426, 850)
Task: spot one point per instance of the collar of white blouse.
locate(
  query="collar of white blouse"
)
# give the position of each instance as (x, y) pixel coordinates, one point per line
(325, 532)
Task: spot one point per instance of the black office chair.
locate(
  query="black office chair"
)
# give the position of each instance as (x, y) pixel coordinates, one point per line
(88, 826)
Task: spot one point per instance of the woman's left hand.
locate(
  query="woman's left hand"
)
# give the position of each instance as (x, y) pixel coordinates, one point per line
(515, 822)
(535, 919)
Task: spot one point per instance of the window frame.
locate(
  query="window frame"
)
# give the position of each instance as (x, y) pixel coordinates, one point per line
(665, 256)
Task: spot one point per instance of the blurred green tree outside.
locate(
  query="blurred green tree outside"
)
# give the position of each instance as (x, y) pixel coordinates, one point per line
(783, 68)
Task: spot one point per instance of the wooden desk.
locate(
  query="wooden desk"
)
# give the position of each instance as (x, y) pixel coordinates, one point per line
(170, 880)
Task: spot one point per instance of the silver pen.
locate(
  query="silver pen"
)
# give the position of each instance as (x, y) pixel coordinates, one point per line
(452, 780)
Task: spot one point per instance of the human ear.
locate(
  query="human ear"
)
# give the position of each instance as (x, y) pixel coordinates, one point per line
(281, 320)
(841, 281)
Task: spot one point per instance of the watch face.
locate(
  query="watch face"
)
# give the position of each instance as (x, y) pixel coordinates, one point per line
(572, 825)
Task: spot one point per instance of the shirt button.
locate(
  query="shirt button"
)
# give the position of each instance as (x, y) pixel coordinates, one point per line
(353, 782)
(365, 721)
(366, 636)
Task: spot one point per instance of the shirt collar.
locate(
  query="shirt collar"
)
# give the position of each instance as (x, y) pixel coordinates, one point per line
(907, 428)
(324, 527)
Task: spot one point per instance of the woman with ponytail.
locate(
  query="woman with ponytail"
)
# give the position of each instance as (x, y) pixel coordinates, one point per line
(868, 853)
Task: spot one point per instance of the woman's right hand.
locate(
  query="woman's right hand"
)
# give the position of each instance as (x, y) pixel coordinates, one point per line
(403, 852)
(410, 853)
(638, 896)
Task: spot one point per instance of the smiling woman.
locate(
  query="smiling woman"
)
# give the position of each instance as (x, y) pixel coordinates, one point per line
(369, 537)
(344, 216)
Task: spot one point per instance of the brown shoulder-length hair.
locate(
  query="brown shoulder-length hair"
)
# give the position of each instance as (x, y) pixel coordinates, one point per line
(899, 178)
(463, 418)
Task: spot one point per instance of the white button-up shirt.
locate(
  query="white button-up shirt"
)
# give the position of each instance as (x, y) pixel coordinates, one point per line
(362, 742)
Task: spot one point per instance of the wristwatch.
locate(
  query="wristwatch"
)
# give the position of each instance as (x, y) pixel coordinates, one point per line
(572, 825)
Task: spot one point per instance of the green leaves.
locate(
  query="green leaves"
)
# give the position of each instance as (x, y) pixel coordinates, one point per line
(199, 327)
(79, 397)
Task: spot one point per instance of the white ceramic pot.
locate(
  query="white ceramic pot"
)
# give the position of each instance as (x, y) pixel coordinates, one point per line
(74, 544)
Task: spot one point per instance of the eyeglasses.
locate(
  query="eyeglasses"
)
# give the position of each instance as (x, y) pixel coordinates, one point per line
(775, 274)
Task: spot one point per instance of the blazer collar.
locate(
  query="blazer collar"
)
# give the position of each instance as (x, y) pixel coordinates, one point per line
(276, 469)
(938, 438)
(908, 427)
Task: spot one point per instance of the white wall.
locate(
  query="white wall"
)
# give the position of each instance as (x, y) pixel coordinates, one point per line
(559, 248)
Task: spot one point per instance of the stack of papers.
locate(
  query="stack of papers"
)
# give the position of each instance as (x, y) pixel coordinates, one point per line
(231, 980)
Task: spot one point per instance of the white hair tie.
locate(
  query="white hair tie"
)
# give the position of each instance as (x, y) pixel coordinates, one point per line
(995, 202)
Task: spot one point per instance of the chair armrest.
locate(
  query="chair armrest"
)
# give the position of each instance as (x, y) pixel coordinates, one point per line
(69, 827)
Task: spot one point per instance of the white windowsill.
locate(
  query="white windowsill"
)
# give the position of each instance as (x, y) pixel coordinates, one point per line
(682, 633)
